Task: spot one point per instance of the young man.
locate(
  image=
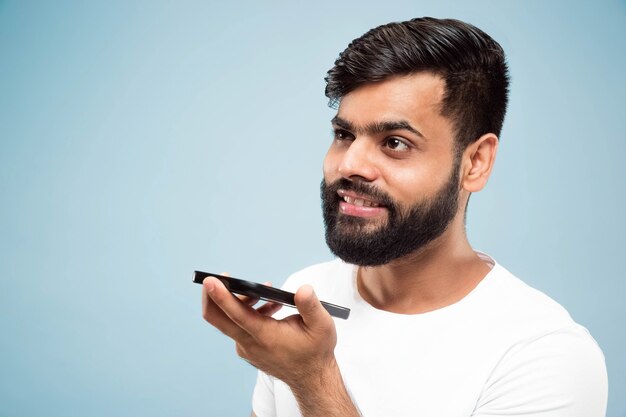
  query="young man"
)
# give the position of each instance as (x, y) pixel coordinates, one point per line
(436, 329)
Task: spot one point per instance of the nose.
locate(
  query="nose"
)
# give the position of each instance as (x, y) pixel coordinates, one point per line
(358, 160)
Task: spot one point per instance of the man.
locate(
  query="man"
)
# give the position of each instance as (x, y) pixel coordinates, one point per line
(436, 329)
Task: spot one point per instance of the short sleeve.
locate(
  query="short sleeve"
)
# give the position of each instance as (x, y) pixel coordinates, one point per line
(561, 374)
(263, 403)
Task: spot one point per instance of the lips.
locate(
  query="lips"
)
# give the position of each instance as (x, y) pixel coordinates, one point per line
(357, 199)
(359, 205)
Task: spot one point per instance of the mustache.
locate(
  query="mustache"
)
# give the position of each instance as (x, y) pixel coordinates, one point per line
(329, 191)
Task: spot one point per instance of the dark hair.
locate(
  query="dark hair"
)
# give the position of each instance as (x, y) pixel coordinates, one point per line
(470, 62)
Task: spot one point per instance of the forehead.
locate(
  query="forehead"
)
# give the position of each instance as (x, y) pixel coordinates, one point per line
(415, 98)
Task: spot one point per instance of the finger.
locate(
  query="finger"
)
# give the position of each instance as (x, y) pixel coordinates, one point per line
(310, 308)
(214, 315)
(247, 299)
(269, 308)
(241, 315)
(244, 298)
(251, 300)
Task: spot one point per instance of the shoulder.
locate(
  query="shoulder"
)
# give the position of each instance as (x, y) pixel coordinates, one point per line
(562, 373)
(520, 307)
(545, 360)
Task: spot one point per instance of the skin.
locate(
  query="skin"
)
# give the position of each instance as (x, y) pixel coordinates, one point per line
(411, 167)
(410, 164)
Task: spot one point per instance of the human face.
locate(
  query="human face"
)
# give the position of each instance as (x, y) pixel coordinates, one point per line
(391, 182)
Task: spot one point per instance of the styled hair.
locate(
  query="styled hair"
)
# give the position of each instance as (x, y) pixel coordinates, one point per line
(470, 62)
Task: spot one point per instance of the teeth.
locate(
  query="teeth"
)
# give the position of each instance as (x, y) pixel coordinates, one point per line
(359, 201)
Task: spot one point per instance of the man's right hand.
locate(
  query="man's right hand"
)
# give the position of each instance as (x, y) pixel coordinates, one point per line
(299, 350)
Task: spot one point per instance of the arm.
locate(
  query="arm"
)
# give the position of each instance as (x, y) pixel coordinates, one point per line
(324, 395)
(298, 350)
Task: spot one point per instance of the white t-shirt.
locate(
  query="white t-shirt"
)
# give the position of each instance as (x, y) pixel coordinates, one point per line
(505, 349)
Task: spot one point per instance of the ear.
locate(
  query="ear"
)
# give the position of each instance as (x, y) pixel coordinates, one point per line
(478, 160)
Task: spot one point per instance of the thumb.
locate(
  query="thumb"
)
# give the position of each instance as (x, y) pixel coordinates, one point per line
(310, 308)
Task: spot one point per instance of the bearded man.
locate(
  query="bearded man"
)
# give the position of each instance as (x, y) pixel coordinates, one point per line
(436, 328)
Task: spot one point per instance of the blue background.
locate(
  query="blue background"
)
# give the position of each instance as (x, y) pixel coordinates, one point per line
(142, 140)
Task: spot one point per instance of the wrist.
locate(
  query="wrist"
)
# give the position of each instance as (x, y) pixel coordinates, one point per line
(323, 393)
(318, 378)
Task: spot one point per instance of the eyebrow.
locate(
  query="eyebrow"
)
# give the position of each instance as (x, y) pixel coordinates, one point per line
(376, 127)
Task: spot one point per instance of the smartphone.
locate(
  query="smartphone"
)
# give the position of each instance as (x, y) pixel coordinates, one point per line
(256, 290)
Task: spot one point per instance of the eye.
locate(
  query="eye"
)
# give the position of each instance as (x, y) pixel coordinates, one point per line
(341, 135)
(396, 144)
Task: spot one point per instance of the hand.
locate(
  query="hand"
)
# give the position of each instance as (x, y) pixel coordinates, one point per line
(298, 350)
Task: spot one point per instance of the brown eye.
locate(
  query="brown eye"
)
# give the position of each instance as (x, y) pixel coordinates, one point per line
(396, 144)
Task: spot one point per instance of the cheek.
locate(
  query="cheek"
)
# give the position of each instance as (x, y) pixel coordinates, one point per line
(414, 184)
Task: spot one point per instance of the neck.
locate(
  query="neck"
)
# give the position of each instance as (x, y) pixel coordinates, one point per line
(435, 276)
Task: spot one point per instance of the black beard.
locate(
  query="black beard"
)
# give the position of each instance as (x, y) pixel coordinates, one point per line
(358, 241)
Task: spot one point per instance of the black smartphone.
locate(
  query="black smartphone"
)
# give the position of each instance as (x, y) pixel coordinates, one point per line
(256, 290)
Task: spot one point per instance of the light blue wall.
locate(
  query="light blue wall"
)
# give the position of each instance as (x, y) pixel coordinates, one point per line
(142, 140)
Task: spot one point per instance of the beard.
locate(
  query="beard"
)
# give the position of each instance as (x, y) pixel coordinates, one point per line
(362, 242)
